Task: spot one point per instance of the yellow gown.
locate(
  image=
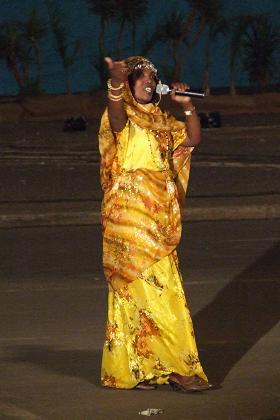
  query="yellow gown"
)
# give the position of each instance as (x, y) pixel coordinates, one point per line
(149, 330)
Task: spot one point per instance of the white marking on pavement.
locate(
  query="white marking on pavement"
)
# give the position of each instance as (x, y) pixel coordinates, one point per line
(102, 286)
(271, 239)
(218, 164)
(230, 129)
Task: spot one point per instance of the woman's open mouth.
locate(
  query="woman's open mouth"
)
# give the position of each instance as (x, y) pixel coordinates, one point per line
(148, 89)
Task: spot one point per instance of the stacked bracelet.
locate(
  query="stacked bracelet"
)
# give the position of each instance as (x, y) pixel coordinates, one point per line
(111, 96)
(115, 98)
(189, 111)
(109, 84)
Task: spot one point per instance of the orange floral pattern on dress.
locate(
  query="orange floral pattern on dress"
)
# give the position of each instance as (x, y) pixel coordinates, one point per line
(151, 334)
(108, 380)
(147, 328)
(124, 292)
(161, 367)
(192, 361)
(111, 331)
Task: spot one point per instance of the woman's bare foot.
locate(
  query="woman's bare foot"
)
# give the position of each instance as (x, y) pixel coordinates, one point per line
(188, 383)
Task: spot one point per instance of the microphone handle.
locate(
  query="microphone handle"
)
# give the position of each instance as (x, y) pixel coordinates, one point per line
(190, 93)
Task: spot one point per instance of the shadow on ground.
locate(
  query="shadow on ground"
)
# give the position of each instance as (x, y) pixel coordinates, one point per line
(240, 315)
(226, 329)
(84, 364)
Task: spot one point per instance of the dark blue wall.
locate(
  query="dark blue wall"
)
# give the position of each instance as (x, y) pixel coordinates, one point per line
(83, 25)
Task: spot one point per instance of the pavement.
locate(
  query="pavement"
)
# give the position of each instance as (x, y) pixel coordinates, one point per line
(53, 292)
(49, 177)
(53, 313)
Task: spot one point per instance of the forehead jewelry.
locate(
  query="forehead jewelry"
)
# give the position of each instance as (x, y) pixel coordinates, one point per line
(146, 65)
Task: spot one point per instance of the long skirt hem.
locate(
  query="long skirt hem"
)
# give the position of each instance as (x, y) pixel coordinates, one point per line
(149, 330)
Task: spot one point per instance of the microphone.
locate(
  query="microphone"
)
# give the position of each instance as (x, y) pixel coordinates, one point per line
(164, 90)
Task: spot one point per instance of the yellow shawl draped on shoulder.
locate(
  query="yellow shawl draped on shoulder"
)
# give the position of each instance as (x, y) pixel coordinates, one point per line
(141, 213)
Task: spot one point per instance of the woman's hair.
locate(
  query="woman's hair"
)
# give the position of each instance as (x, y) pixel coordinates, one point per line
(135, 75)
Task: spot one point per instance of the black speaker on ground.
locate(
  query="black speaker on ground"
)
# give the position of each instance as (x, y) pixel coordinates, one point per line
(210, 119)
(75, 124)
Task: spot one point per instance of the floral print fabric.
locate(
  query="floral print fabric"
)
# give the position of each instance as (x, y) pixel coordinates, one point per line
(144, 175)
(149, 331)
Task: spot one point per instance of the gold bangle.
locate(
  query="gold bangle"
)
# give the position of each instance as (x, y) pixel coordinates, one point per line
(109, 84)
(189, 111)
(115, 98)
(111, 95)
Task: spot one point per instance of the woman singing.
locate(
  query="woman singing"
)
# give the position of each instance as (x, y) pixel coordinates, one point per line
(145, 163)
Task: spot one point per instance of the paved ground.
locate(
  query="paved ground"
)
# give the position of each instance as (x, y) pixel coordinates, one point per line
(53, 296)
(49, 177)
(53, 310)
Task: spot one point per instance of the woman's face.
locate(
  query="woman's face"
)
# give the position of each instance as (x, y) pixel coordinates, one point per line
(144, 86)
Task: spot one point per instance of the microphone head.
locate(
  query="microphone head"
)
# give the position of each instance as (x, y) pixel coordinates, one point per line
(162, 89)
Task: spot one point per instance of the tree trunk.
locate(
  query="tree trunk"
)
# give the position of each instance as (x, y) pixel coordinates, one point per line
(133, 33)
(263, 81)
(232, 88)
(102, 37)
(39, 65)
(197, 35)
(12, 66)
(177, 59)
(206, 86)
(67, 80)
(177, 70)
(119, 39)
(101, 43)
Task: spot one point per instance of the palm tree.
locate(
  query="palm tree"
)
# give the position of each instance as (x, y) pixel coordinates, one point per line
(34, 30)
(13, 51)
(56, 16)
(181, 31)
(217, 25)
(172, 33)
(105, 9)
(129, 11)
(238, 27)
(208, 16)
(137, 11)
(260, 45)
(202, 13)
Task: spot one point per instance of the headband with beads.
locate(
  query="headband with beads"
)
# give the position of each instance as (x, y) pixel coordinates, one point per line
(138, 62)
